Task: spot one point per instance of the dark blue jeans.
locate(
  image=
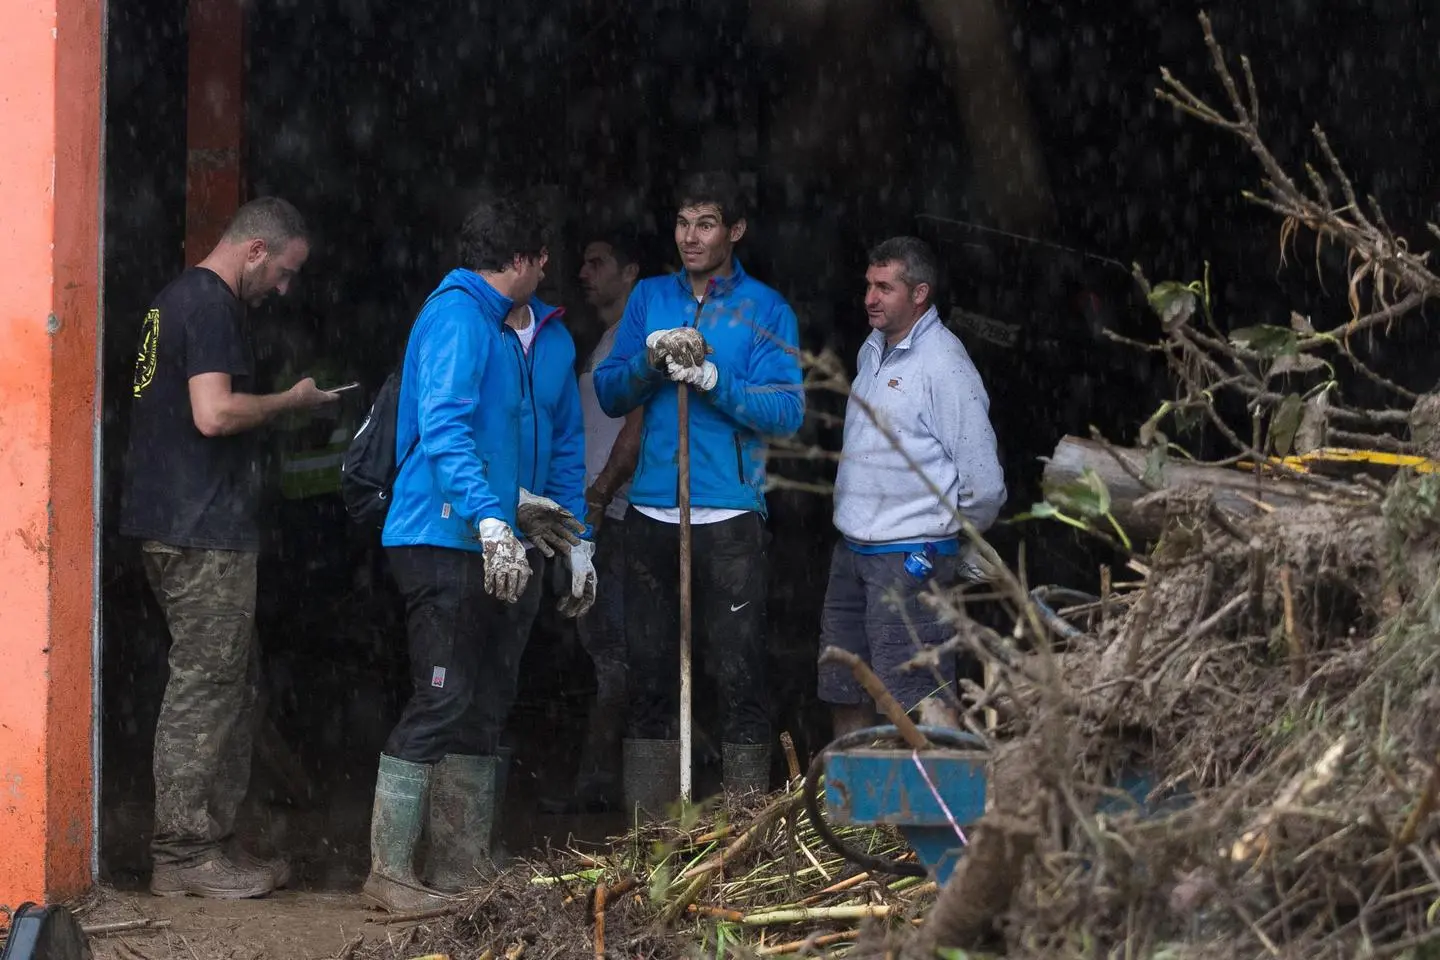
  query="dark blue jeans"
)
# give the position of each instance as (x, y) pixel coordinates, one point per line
(465, 649)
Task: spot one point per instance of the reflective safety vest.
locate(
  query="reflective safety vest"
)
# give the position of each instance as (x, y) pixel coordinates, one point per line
(314, 471)
(313, 443)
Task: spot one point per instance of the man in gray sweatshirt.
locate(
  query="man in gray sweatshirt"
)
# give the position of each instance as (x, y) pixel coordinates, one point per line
(917, 423)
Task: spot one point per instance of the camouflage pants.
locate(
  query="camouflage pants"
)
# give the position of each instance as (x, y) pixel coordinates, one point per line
(205, 732)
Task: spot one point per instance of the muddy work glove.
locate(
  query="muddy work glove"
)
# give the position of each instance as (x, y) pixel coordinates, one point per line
(681, 345)
(702, 378)
(979, 563)
(582, 580)
(507, 572)
(546, 524)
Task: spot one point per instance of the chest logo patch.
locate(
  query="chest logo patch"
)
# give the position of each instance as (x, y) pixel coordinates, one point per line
(894, 383)
(146, 360)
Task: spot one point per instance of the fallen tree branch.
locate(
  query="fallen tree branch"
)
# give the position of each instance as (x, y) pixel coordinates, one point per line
(983, 884)
(859, 911)
(812, 942)
(1424, 806)
(434, 914)
(124, 926)
(348, 951)
(599, 914)
(885, 702)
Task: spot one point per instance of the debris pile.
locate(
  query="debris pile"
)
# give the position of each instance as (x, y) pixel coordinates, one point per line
(1229, 751)
(750, 876)
(1234, 745)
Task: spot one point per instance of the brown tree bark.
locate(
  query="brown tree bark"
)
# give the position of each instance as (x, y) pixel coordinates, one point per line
(1233, 490)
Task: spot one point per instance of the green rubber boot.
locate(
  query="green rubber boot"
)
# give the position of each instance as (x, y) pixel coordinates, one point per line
(651, 775)
(400, 789)
(462, 819)
(745, 768)
(500, 856)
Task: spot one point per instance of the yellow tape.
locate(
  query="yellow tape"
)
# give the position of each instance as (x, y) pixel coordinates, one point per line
(1302, 463)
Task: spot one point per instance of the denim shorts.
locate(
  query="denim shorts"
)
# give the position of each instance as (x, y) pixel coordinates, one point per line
(873, 610)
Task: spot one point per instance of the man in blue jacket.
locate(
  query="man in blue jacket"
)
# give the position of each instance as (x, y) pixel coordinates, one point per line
(734, 341)
(552, 464)
(450, 537)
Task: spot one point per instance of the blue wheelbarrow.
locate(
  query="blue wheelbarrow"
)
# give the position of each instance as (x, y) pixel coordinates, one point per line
(933, 796)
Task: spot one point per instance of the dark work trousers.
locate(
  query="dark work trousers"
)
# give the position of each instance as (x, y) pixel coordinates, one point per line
(602, 634)
(465, 649)
(729, 583)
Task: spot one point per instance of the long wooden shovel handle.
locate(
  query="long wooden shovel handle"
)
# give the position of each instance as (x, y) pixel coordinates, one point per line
(683, 500)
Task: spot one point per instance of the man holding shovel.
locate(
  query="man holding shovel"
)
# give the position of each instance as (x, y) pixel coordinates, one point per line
(711, 356)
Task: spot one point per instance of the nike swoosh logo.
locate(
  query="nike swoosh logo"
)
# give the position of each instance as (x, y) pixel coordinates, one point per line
(735, 609)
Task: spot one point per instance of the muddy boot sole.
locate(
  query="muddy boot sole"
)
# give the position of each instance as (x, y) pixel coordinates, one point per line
(397, 896)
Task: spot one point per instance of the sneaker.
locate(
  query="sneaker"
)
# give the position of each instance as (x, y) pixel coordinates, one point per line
(217, 879)
(278, 867)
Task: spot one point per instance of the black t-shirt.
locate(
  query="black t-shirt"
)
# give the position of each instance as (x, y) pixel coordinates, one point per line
(182, 487)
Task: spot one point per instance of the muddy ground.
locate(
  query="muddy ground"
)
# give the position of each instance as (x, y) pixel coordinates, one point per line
(290, 925)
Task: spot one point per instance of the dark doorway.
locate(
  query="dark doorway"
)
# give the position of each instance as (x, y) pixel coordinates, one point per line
(377, 119)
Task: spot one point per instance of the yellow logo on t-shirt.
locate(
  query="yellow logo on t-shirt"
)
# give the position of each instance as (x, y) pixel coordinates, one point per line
(149, 351)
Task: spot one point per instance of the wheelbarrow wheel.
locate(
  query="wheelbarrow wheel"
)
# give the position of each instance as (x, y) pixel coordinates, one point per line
(45, 933)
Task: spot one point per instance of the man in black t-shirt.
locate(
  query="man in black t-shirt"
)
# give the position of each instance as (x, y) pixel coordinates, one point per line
(190, 496)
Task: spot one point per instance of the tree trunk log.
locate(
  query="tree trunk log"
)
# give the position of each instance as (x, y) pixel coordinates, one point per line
(1234, 490)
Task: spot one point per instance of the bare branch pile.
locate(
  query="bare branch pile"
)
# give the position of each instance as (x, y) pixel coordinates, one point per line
(1237, 739)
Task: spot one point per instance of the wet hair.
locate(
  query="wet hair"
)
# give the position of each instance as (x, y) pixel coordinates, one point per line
(624, 244)
(271, 219)
(499, 228)
(713, 187)
(916, 259)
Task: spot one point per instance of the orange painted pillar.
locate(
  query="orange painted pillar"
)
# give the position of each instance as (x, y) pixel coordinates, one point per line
(51, 97)
(215, 125)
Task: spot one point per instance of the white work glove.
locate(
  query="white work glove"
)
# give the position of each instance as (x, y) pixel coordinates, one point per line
(582, 580)
(702, 378)
(682, 345)
(507, 572)
(547, 524)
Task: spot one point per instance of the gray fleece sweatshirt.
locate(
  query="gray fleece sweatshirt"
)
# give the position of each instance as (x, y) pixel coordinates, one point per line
(928, 393)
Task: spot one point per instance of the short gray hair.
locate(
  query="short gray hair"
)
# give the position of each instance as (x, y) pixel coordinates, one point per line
(271, 219)
(916, 259)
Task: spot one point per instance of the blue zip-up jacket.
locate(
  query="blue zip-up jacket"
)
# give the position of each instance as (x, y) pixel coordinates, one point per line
(755, 339)
(463, 385)
(552, 428)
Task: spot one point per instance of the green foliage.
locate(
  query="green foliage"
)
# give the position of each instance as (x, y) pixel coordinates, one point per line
(1175, 302)
(1267, 340)
(1285, 424)
(1076, 504)
(1086, 496)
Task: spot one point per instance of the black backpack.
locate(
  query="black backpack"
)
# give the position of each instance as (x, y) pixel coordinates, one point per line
(369, 470)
